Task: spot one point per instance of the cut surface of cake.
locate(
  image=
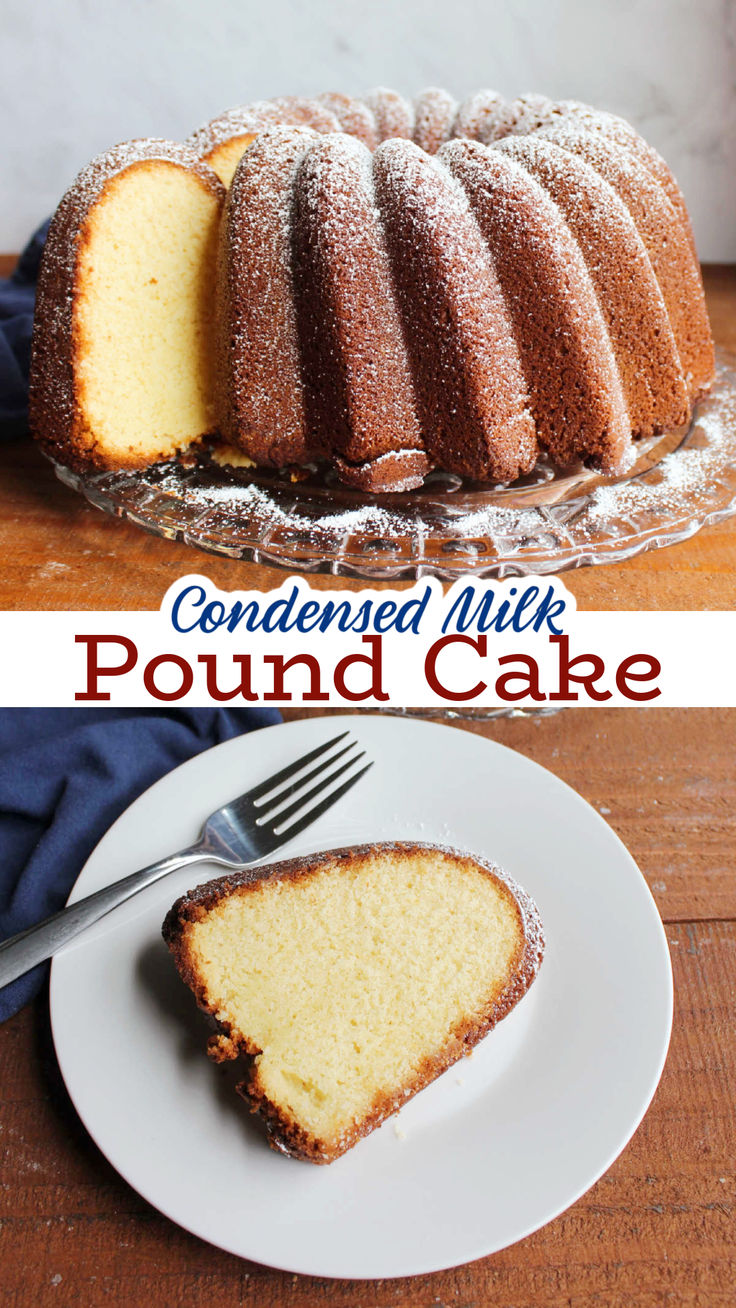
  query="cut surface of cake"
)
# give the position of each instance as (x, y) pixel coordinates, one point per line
(349, 980)
(403, 286)
(123, 341)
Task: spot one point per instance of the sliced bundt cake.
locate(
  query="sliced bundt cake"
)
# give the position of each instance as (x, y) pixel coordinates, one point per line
(402, 285)
(351, 979)
(123, 340)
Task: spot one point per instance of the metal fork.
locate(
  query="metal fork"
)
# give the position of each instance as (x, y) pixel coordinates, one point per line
(247, 829)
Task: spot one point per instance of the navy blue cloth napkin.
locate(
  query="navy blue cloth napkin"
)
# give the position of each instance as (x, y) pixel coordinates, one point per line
(65, 775)
(17, 298)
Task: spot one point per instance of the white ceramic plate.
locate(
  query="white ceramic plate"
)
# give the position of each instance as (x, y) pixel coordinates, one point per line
(500, 1144)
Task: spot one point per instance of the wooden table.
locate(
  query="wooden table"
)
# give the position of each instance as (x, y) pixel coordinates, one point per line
(657, 1229)
(59, 553)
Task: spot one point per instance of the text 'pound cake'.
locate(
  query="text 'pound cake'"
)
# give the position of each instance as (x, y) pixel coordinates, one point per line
(349, 980)
(389, 287)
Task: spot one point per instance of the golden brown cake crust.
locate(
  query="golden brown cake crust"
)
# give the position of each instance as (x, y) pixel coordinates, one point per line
(284, 1134)
(434, 114)
(556, 315)
(625, 285)
(260, 388)
(657, 400)
(248, 120)
(621, 133)
(359, 386)
(471, 394)
(665, 235)
(294, 410)
(54, 411)
(397, 470)
(354, 117)
(393, 114)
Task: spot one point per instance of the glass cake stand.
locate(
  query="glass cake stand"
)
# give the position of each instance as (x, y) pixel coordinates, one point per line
(546, 522)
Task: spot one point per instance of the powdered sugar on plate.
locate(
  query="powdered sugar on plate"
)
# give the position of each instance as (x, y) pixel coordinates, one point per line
(545, 523)
(684, 477)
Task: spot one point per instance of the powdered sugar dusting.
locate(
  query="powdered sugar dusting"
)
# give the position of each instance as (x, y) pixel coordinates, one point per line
(618, 131)
(556, 316)
(264, 405)
(528, 112)
(485, 116)
(434, 114)
(252, 118)
(625, 285)
(271, 511)
(394, 115)
(451, 532)
(485, 426)
(684, 479)
(476, 387)
(354, 336)
(354, 116)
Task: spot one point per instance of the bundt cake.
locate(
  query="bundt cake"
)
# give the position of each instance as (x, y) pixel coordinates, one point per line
(398, 287)
(349, 980)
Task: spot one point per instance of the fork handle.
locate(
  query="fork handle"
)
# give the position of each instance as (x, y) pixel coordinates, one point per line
(37, 943)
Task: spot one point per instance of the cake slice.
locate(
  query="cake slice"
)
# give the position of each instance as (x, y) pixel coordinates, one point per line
(351, 979)
(123, 338)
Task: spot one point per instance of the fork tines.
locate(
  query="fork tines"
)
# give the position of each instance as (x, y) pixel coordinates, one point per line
(271, 798)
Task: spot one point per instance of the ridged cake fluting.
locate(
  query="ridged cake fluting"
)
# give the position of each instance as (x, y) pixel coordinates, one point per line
(401, 285)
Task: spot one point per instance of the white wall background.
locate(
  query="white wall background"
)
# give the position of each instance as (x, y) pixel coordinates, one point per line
(78, 75)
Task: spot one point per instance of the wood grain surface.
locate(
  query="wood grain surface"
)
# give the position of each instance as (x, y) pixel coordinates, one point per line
(657, 1230)
(60, 553)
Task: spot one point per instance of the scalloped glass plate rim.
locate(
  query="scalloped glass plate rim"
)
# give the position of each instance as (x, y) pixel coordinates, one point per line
(440, 533)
